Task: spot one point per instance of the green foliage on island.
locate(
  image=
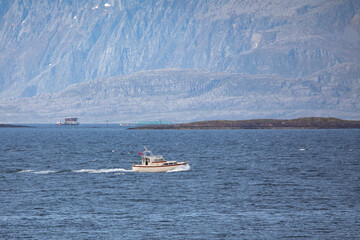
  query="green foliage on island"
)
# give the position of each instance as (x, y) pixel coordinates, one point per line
(299, 123)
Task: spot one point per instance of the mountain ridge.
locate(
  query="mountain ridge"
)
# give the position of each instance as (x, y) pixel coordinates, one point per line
(233, 59)
(179, 95)
(46, 47)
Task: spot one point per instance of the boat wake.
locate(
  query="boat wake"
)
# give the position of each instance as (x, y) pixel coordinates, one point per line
(111, 170)
(117, 171)
(181, 168)
(26, 171)
(37, 172)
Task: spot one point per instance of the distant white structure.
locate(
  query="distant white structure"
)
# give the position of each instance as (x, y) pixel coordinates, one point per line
(69, 121)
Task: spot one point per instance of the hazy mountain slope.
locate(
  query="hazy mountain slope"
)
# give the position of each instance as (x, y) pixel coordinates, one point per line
(180, 96)
(45, 46)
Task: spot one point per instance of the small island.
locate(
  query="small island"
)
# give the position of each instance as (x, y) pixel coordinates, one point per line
(299, 123)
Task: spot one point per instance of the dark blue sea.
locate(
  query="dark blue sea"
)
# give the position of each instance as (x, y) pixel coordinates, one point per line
(76, 183)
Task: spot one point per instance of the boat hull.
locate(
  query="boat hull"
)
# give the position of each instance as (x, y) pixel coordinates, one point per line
(141, 168)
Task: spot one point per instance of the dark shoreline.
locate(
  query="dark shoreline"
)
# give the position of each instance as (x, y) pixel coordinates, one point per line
(13, 126)
(299, 123)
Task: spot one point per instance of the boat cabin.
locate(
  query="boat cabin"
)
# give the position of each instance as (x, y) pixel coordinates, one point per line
(148, 158)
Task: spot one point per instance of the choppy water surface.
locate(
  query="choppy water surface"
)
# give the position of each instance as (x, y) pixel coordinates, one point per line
(76, 183)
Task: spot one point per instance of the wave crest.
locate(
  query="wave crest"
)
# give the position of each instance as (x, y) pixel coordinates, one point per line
(181, 168)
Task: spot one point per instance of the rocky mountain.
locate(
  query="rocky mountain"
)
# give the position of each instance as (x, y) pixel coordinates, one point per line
(239, 58)
(184, 96)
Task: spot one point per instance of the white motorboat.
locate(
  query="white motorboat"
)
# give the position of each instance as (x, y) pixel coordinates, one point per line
(155, 163)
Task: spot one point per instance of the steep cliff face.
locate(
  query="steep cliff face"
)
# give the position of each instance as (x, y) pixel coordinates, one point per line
(45, 46)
